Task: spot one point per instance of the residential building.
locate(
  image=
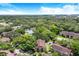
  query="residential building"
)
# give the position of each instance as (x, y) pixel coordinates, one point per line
(62, 50)
(69, 34)
(40, 44)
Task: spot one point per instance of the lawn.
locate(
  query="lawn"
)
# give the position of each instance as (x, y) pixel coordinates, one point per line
(62, 38)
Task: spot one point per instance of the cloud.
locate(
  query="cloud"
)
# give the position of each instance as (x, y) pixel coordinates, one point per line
(6, 1)
(66, 9)
(10, 9)
(11, 12)
(14, 10)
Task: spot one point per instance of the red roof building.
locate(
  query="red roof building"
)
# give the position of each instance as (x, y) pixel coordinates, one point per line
(40, 43)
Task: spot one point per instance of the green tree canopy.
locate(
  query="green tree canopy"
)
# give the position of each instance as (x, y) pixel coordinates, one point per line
(25, 42)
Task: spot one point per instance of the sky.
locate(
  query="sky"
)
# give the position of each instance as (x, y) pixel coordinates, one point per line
(38, 8)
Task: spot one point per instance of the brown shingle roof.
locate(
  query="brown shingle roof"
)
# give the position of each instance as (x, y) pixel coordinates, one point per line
(40, 43)
(61, 49)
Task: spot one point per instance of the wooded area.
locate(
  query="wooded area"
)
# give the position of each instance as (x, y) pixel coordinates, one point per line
(22, 32)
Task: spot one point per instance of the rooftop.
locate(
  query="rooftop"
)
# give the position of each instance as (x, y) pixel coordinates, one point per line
(40, 43)
(61, 49)
(69, 33)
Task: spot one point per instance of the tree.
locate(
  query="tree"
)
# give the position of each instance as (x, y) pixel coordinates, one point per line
(21, 31)
(44, 33)
(25, 42)
(7, 28)
(63, 42)
(13, 34)
(54, 29)
(75, 47)
(5, 46)
(56, 54)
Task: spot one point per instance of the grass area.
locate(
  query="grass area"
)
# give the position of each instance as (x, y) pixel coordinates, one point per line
(47, 47)
(62, 38)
